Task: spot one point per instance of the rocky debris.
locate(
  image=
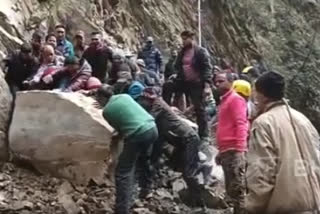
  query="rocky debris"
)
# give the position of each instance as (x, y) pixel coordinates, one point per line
(24, 191)
(65, 135)
(5, 114)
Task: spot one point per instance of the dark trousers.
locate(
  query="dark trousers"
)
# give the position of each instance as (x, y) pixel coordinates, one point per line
(191, 162)
(168, 90)
(134, 147)
(185, 156)
(194, 91)
(233, 164)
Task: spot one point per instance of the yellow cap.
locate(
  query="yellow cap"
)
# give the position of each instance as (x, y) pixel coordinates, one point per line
(247, 69)
(242, 87)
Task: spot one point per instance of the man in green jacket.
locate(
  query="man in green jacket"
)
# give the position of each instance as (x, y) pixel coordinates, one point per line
(139, 130)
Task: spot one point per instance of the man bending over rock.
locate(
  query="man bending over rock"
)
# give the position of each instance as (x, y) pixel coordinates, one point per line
(139, 130)
(178, 133)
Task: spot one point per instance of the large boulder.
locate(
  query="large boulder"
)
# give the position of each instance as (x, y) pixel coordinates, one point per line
(5, 114)
(62, 134)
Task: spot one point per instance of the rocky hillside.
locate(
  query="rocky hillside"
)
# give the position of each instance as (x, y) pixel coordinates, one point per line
(283, 34)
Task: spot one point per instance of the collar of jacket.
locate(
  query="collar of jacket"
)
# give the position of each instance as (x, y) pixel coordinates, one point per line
(194, 46)
(61, 42)
(227, 94)
(272, 105)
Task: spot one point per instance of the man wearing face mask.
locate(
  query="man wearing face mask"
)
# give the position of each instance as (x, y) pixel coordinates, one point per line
(151, 56)
(98, 55)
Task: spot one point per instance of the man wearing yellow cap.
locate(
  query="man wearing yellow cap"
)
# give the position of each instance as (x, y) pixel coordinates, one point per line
(243, 88)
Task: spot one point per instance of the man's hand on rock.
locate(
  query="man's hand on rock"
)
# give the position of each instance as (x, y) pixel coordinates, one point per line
(97, 105)
(47, 79)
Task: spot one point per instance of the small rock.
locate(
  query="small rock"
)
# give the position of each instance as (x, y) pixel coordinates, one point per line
(80, 202)
(4, 177)
(28, 205)
(19, 205)
(163, 193)
(68, 204)
(65, 188)
(4, 184)
(138, 203)
(178, 185)
(141, 211)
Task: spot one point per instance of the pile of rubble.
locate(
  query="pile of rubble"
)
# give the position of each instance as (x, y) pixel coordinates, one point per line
(24, 191)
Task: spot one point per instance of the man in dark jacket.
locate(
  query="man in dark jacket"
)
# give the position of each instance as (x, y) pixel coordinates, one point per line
(120, 65)
(170, 66)
(98, 55)
(194, 75)
(178, 133)
(151, 56)
(20, 66)
(36, 43)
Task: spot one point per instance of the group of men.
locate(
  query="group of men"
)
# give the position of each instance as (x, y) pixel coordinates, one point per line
(268, 150)
(56, 63)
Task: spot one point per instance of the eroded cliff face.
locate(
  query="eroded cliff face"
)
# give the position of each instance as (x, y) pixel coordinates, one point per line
(284, 34)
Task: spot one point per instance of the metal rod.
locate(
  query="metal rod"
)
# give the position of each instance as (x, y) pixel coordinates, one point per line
(199, 22)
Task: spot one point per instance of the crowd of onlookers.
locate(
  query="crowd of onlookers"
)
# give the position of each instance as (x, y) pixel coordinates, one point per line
(258, 135)
(52, 62)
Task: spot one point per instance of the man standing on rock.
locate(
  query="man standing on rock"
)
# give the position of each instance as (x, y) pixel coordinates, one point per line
(194, 77)
(139, 130)
(232, 133)
(170, 66)
(98, 55)
(283, 160)
(151, 56)
(63, 45)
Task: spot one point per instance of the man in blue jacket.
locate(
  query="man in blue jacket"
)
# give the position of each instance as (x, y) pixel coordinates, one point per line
(63, 45)
(151, 56)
